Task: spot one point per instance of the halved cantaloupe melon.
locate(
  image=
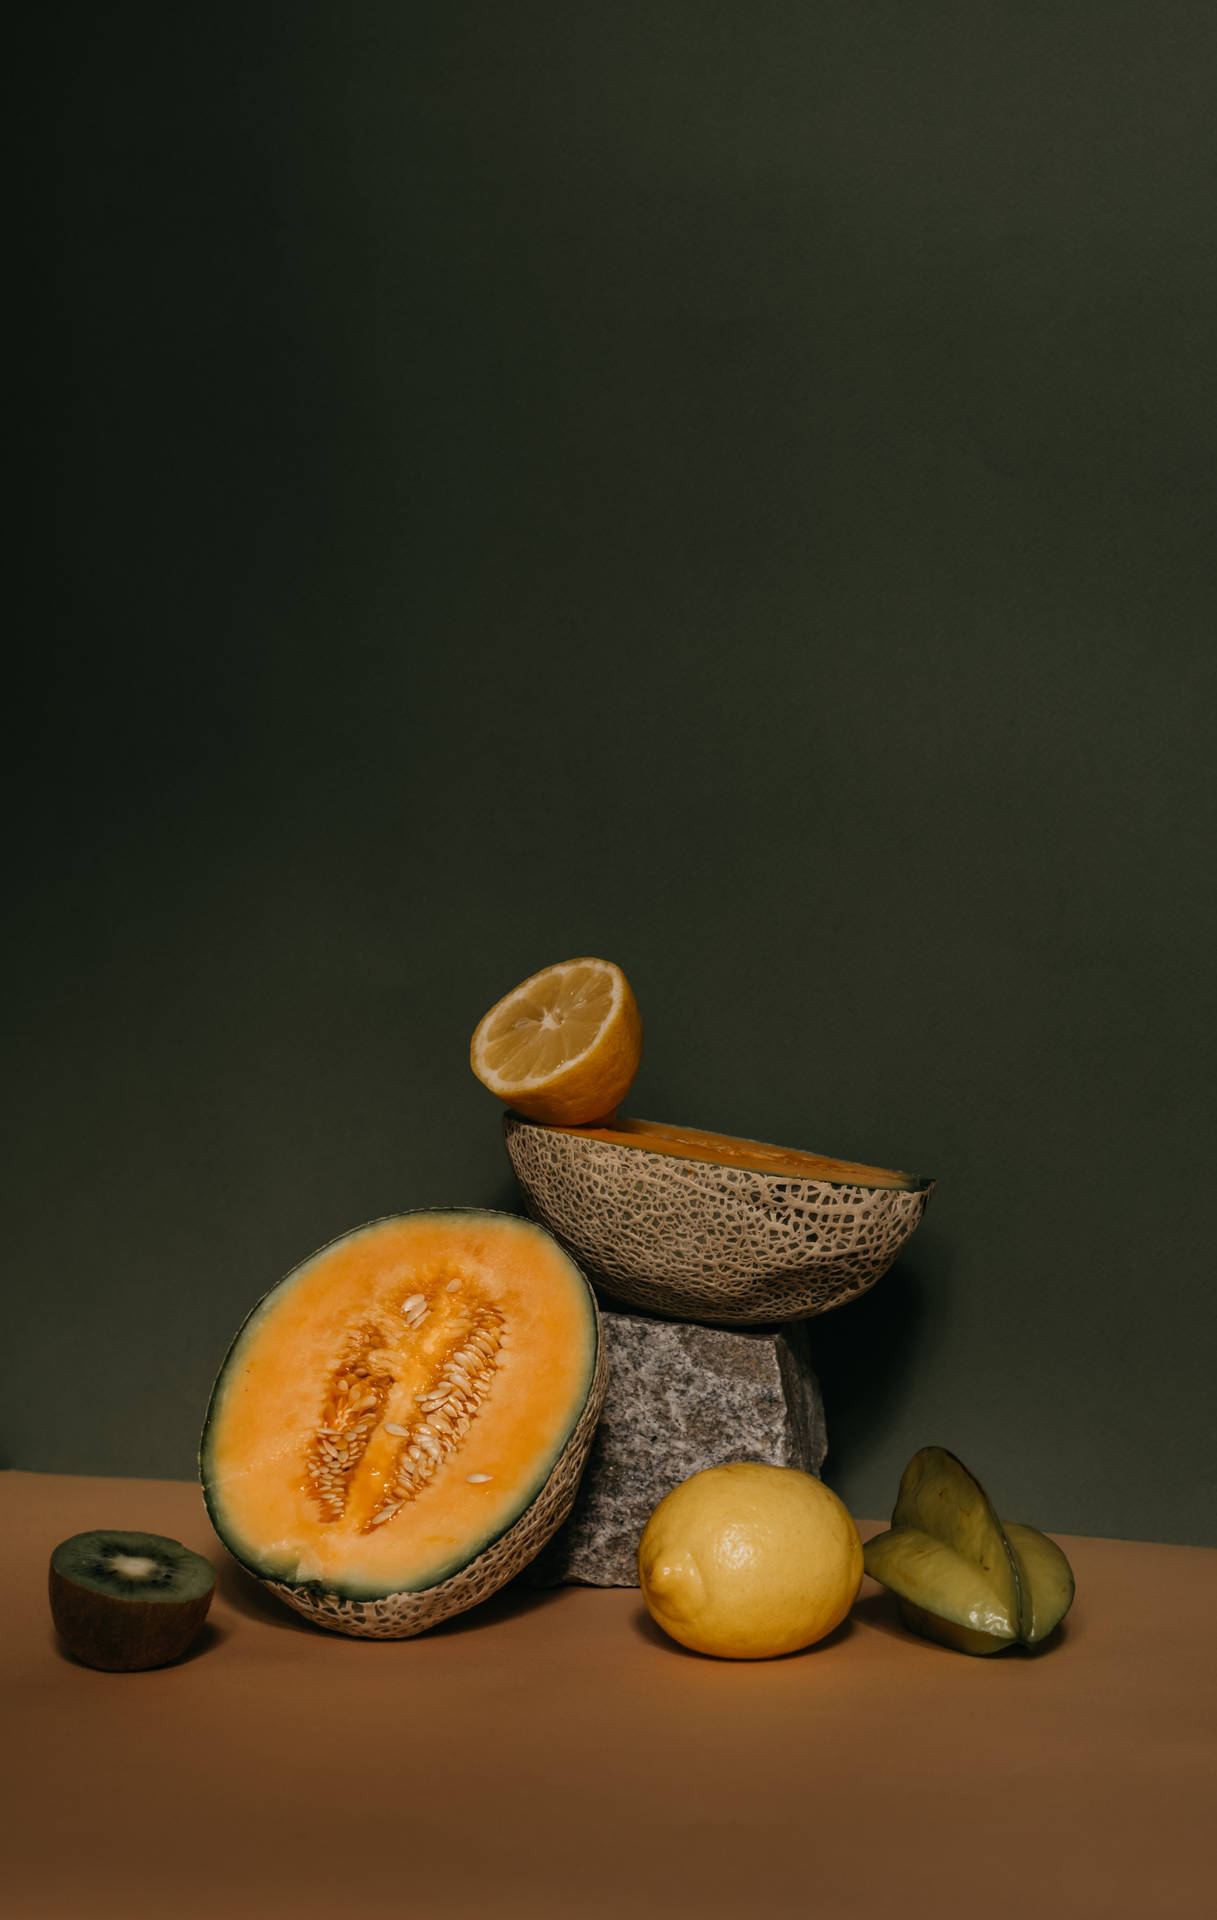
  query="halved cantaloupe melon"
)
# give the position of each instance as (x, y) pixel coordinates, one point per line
(704, 1226)
(401, 1424)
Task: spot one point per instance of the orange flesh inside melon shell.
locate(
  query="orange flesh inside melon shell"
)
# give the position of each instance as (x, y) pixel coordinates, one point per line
(319, 1463)
(728, 1150)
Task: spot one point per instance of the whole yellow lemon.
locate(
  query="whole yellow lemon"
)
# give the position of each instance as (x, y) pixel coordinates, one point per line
(747, 1561)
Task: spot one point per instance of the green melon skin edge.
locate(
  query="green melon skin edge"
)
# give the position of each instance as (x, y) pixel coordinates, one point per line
(961, 1576)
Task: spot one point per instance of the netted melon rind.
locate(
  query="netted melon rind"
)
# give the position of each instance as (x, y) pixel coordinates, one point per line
(398, 1616)
(694, 1240)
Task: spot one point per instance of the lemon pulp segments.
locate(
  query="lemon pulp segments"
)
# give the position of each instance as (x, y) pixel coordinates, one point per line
(564, 1046)
(548, 1022)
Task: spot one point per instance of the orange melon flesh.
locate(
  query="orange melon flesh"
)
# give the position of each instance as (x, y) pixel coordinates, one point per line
(725, 1150)
(301, 1466)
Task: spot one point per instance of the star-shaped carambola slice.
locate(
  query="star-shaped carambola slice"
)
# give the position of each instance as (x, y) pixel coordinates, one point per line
(962, 1576)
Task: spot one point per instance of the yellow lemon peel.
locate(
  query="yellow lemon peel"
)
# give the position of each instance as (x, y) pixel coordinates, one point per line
(747, 1561)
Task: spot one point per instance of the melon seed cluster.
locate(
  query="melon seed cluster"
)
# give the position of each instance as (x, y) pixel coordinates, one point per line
(446, 1413)
(431, 1420)
(353, 1409)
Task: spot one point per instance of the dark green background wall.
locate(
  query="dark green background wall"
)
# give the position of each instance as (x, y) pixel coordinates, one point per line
(725, 486)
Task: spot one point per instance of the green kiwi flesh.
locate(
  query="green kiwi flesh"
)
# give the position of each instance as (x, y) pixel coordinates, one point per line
(123, 1602)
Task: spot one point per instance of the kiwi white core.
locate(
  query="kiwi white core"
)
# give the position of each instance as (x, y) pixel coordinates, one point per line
(132, 1566)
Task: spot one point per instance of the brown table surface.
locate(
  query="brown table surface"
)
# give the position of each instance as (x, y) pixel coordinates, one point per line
(552, 1754)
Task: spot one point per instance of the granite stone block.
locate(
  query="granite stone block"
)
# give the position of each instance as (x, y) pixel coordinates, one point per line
(680, 1397)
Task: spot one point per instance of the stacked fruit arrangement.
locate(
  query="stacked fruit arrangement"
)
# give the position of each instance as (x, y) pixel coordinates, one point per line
(401, 1424)
(677, 1221)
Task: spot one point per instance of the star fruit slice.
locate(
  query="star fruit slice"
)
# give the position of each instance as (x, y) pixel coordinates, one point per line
(962, 1576)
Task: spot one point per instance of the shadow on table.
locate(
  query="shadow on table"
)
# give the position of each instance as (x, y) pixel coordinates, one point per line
(246, 1595)
(249, 1597)
(205, 1641)
(509, 1603)
(644, 1628)
(880, 1611)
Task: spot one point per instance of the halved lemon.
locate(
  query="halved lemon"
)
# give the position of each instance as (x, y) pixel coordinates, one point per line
(564, 1046)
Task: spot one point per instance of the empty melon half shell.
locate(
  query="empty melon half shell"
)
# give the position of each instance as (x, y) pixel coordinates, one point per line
(401, 1424)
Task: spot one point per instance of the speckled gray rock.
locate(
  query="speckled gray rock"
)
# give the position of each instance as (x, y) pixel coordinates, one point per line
(680, 1397)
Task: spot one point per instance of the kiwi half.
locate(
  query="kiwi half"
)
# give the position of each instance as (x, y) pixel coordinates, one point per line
(125, 1601)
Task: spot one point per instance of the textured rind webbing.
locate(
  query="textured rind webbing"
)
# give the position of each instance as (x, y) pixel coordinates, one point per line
(695, 1240)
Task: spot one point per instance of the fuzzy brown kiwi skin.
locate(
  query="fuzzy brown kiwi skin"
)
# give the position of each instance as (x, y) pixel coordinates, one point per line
(123, 1636)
